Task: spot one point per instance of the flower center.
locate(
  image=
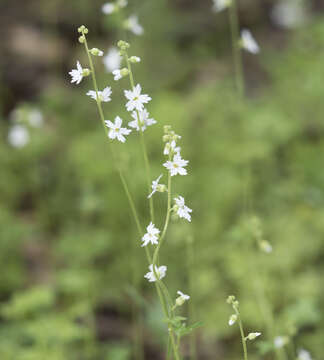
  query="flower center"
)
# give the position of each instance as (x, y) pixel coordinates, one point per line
(117, 129)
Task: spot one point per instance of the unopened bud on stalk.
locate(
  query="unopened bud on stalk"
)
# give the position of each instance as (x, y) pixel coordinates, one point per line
(86, 72)
(252, 336)
(96, 52)
(232, 320)
(82, 39)
(134, 59)
(124, 72)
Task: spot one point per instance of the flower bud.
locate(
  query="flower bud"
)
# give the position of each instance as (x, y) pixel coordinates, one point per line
(161, 188)
(86, 72)
(167, 128)
(123, 45)
(232, 320)
(96, 52)
(252, 336)
(124, 72)
(82, 39)
(180, 300)
(134, 59)
(265, 246)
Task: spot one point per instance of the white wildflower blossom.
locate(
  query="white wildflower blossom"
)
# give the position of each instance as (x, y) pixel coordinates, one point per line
(18, 136)
(116, 131)
(78, 73)
(122, 3)
(35, 118)
(133, 25)
(136, 99)
(304, 355)
(289, 14)
(171, 147)
(248, 42)
(265, 246)
(181, 209)
(280, 341)
(103, 95)
(151, 235)
(182, 298)
(112, 60)
(176, 166)
(160, 271)
(117, 74)
(232, 320)
(157, 187)
(109, 8)
(144, 120)
(252, 335)
(220, 5)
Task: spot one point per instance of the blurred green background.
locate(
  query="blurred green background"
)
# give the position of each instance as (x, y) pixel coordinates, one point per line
(71, 265)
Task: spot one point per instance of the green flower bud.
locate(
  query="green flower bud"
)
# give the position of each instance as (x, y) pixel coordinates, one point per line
(96, 52)
(124, 72)
(161, 188)
(82, 39)
(252, 336)
(86, 72)
(134, 59)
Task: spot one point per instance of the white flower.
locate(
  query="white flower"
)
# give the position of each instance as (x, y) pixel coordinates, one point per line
(144, 120)
(157, 187)
(182, 210)
(136, 99)
(151, 236)
(117, 74)
(35, 118)
(77, 74)
(160, 271)
(265, 246)
(133, 25)
(103, 95)
(171, 146)
(116, 131)
(18, 136)
(280, 341)
(182, 298)
(304, 355)
(176, 166)
(108, 8)
(122, 3)
(248, 42)
(252, 336)
(220, 5)
(232, 320)
(112, 60)
(289, 13)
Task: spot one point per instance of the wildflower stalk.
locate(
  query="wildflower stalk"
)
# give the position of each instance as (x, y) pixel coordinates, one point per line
(192, 315)
(236, 49)
(242, 335)
(137, 318)
(162, 291)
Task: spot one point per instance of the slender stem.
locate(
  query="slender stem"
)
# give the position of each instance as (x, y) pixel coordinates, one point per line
(236, 49)
(190, 270)
(242, 335)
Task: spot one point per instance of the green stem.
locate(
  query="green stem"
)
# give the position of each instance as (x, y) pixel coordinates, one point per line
(242, 335)
(236, 49)
(190, 269)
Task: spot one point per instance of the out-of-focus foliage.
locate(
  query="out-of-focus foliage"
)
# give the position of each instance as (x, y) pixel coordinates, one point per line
(66, 234)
